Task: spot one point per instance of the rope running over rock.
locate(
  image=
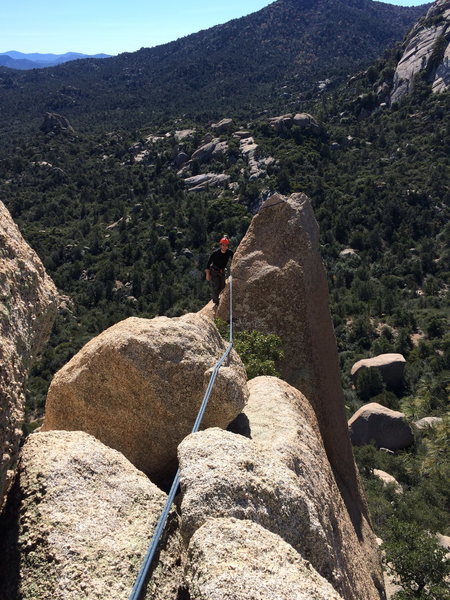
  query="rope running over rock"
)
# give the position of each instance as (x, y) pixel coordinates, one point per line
(142, 576)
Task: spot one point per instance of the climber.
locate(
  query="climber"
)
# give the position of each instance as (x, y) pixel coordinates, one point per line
(215, 269)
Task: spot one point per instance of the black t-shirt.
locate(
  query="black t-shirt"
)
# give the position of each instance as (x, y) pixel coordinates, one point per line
(219, 259)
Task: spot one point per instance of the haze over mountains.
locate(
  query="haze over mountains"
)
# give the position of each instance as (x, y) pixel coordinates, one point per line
(275, 57)
(36, 60)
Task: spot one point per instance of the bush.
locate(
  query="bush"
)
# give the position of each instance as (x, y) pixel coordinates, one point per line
(260, 352)
(417, 560)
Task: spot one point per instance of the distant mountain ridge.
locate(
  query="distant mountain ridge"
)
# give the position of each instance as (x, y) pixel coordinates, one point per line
(272, 59)
(36, 60)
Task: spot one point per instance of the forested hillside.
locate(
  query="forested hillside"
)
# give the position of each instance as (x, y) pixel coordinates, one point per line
(273, 58)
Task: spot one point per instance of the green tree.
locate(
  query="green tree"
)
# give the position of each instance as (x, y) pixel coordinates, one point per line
(417, 560)
(260, 352)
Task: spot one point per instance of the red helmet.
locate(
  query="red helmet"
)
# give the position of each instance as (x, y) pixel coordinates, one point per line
(224, 240)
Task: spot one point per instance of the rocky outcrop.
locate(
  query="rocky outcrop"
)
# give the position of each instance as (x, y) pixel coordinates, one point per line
(223, 125)
(282, 424)
(427, 422)
(200, 183)
(386, 428)
(280, 286)
(391, 368)
(182, 134)
(203, 154)
(388, 479)
(28, 304)
(180, 159)
(301, 120)
(80, 519)
(305, 121)
(444, 542)
(211, 149)
(232, 559)
(281, 121)
(55, 123)
(137, 387)
(250, 152)
(426, 51)
(241, 134)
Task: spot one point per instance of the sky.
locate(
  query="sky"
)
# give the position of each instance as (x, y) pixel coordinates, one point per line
(114, 26)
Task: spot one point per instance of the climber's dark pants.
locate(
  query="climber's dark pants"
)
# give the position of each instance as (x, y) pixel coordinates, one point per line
(217, 284)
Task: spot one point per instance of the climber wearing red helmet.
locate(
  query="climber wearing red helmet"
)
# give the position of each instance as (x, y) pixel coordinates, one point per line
(215, 268)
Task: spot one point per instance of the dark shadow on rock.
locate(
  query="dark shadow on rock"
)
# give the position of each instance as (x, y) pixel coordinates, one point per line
(241, 426)
(9, 551)
(183, 593)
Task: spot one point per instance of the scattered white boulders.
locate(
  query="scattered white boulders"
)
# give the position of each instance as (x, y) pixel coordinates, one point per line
(388, 479)
(427, 422)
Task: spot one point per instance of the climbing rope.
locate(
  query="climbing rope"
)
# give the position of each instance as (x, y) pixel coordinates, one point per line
(142, 576)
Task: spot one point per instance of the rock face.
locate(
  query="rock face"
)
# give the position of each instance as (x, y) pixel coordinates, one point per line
(56, 123)
(391, 367)
(86, 516)
(230, 559)
(227, 475)
(200, 183)
(385, 427)
(280, 286)
(223, 125)
(28, 304)
(282, 424)
(427, 50)
(305, 121)
(137, 387)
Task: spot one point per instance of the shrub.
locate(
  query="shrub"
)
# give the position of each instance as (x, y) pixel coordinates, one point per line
(260, 352)
(417, 560)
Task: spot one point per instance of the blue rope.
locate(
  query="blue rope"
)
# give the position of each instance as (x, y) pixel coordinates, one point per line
(142, 576)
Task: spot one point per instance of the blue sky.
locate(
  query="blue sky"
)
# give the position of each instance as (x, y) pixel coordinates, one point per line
(113, 26)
